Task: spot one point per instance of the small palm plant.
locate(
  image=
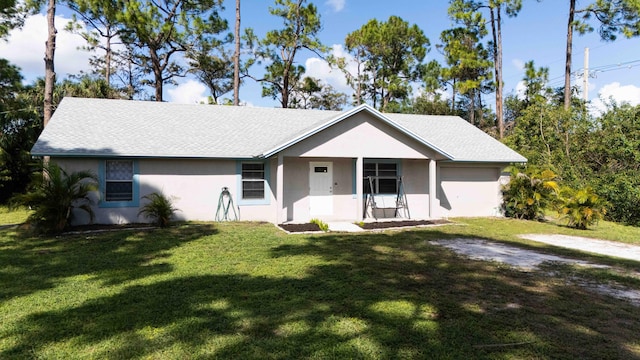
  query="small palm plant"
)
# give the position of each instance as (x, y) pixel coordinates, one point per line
(581, 208)
(159, 209)
(529, 193)
(54, 196)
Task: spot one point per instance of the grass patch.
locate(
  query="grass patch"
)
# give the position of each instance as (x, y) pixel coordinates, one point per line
(15, 216)
(250, 291)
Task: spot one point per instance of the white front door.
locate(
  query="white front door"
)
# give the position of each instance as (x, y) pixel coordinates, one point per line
(320, 188)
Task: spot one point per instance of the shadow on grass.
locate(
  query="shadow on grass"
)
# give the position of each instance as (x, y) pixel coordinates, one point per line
(372, 296)
(33, 264)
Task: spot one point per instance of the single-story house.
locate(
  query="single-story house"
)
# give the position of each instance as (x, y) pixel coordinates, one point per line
(279, 165)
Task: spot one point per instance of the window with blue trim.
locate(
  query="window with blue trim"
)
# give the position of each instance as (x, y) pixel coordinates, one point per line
(253, 181)
(119, 183)
(118, 180)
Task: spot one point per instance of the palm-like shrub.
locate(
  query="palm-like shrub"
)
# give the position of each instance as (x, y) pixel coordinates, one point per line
(54, 196)
(581, 208)
(529, 193)
(158, 208)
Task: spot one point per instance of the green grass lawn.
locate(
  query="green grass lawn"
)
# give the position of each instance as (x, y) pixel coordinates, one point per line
(10, 217)
(249, 291)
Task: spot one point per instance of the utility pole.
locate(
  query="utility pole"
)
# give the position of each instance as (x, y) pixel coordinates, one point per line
(585, 77)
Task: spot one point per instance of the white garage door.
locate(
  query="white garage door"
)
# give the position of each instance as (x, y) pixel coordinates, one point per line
(469, 191)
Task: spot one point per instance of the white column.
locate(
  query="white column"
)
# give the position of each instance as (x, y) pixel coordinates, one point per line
(359, 187)
(280, 190)
(434, 204)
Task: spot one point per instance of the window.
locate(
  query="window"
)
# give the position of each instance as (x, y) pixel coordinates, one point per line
(118, 180)
(253, 177)
(386, 177)
(118, 183)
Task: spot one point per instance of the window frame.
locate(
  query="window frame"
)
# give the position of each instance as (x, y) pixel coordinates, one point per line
(266, 196)
(376, 163)
(102, 175)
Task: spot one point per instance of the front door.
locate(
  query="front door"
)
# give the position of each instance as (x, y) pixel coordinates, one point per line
(320, 188)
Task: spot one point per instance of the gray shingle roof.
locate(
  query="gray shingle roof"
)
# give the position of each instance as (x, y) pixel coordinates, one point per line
(98, 127)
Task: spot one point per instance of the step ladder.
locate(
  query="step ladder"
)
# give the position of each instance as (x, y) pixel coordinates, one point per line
(400, 204)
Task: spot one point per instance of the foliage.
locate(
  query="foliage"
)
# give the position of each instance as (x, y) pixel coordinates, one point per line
(469, 64)
(20, 125)
(529, 193)
(622, 190)
(390, 54)
(159, 209)
(12, 16)
(581, 208)
(311, 93)
(55, 195)
(157, 30)
(321, 224)
(213, 66)
(280, 47)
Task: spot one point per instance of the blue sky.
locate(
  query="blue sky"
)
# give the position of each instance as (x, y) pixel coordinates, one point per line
(538, 33)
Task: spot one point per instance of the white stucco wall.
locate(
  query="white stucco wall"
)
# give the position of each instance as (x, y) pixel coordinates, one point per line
(469, 190)
(361, 136)
(194, 185)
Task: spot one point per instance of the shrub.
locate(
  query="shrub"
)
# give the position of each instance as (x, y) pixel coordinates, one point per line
(623, 190)
(581, 208)
(54, 196)
(159, 209)
(321, 224)
(529, 193)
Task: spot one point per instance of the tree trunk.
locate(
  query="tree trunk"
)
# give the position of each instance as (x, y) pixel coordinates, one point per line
(236, 59)
(496, 28)
(107, 58)
(567, 71)
(49, 71)
(157, 73)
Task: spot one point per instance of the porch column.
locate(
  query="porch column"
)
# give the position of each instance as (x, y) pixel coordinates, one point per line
(359, 188)
(280, 190)
(434, 204)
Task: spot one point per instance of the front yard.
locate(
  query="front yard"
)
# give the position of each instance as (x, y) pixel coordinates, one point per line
(249, 291)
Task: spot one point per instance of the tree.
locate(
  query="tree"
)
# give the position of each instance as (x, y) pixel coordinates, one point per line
(213, 66)
(461, 9)
(613, 16)
(236, 58)
(310, 93)
(20, 125)
(11, 16)
(280, 47)
(468, 65)
(157, 30)
(100, 16)
(389, 56)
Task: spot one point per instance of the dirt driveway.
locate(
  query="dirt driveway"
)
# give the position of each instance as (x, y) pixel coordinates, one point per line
(530, 260)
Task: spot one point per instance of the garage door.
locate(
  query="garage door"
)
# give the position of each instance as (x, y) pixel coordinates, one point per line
(469, 191)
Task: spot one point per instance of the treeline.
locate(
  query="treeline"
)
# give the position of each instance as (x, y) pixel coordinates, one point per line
(138, 47)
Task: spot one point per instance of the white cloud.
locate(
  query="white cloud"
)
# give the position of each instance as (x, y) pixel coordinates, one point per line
(518, 63)
(521, 90)
(25, 49)
(319, 69)
(190, 92)
(336, 5)
(620, 93)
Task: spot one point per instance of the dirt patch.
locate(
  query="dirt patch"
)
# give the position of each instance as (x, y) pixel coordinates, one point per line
(400, 223)
(108, 227)
(530, 260)
(294, 228)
